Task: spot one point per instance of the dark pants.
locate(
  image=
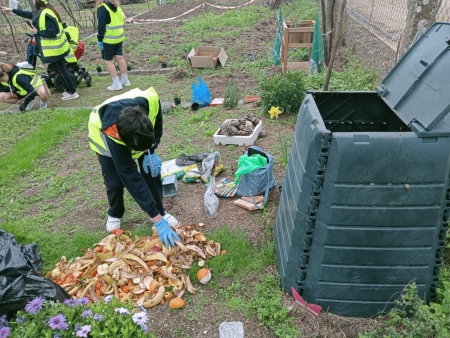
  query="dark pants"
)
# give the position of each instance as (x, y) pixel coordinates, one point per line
(60, 67)
(115, 187)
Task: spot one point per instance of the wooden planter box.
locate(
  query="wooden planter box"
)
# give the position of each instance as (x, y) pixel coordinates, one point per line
(300, 36)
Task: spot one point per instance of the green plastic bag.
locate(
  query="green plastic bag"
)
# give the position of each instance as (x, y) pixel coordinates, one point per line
(247, 164)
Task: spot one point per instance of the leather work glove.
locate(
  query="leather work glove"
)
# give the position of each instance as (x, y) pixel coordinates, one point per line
(166, 233)
(153, 163)
(100, 45)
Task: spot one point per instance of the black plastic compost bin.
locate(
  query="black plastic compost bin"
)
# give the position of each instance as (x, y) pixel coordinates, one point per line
(365, 202)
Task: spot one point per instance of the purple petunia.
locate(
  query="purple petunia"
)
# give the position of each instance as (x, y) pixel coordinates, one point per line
(35, 305)
(81, 301)
(140, 318)
(83, 331)
(58, 323)
(144, 327)
(122, 311)
(86, 313)
(98, 317)
(107, 299)
(4, 332)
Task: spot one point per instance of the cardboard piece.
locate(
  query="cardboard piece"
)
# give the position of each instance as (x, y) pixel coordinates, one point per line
(207, 57)
(216, 102)
(246, 205)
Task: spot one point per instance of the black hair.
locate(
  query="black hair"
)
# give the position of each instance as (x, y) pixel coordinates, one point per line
(135, 128)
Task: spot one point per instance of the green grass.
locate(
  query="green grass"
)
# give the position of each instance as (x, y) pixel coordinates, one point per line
(300, 10)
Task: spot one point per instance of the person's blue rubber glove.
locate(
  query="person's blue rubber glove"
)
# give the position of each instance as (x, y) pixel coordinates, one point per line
(165, 233)
(100, 45)
(152, 163)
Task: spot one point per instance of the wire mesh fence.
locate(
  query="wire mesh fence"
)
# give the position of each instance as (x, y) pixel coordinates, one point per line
(374, 30)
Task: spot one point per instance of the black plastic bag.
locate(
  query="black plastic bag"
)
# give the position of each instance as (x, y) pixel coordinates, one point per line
(20, 267)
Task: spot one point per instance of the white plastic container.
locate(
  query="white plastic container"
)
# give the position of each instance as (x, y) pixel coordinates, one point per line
(238, 140)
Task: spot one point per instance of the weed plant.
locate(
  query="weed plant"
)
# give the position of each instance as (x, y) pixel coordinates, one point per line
(231, 95)
(284, 90)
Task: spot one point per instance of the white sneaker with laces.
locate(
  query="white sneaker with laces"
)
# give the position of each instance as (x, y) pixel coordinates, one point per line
(112, 223)
(126, 83)
(173, 222)
(70, 96)
(115, 86)
(65, 93)
(30, 105)
(42, 104)
(24, 64)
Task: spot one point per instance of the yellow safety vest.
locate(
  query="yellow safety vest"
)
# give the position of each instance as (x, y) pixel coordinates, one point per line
(97, 139)
(114, 29)
(71, 57)
(36, 81)
(52, 46)
(73, 42)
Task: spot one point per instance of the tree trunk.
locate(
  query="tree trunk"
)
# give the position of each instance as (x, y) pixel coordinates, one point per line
(330, 23)
(418, 10)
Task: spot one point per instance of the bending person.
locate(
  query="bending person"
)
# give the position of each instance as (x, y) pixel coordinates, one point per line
(51, 39)
(121, 129)
(110, 36)
(21, 85)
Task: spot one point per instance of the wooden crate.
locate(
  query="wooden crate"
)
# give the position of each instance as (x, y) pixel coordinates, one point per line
(300, 36)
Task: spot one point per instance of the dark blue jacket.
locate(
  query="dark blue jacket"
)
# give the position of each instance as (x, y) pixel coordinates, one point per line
(22, 80)
(104, 18)
(51, 31)
(122, 158)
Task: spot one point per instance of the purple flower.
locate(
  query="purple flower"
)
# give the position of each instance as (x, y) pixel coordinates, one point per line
(81, 301)
(98, 317)
(107, 299)
(140, 318)
(4, 332)
(122, 311)
(57, 335)
(83, 331)
(77, 326)
(58, 323)
(69, 302)
(35, 305)
(86, 313)
(20, 319)
(144, 327)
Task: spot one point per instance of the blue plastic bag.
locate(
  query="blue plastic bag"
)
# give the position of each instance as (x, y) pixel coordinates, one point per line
(200, 93)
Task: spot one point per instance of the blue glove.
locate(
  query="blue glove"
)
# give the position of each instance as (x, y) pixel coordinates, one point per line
(152, 163)
(100, 45)
(166, 233)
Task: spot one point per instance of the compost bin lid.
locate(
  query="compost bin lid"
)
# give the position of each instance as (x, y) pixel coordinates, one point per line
(418, 87)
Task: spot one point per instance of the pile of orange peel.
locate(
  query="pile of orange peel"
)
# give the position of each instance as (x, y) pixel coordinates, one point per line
(140, 271)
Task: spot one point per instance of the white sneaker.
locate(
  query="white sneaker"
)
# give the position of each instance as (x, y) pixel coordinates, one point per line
(125, 83)
(115, 86)
(70, 96)
(24, 64)
(42, 104)
(30, 105)
(112, 223)
(65, 93)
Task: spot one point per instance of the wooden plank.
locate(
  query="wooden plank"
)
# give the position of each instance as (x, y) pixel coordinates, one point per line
(299, 45)
(301, 30)
(258, 199)
(246, 205)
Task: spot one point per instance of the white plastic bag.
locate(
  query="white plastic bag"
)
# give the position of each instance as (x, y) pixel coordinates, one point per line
(211, 201)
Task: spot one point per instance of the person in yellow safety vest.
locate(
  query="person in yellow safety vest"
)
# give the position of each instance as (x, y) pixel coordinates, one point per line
(121, 129)
(21, 85)
(110, 36)
(72, 34)
(51, 39)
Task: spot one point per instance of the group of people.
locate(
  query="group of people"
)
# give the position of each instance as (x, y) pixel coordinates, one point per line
(121, 130)
(19, 84)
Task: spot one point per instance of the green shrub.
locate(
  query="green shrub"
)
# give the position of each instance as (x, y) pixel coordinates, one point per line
(285, 91)
(232, 95)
